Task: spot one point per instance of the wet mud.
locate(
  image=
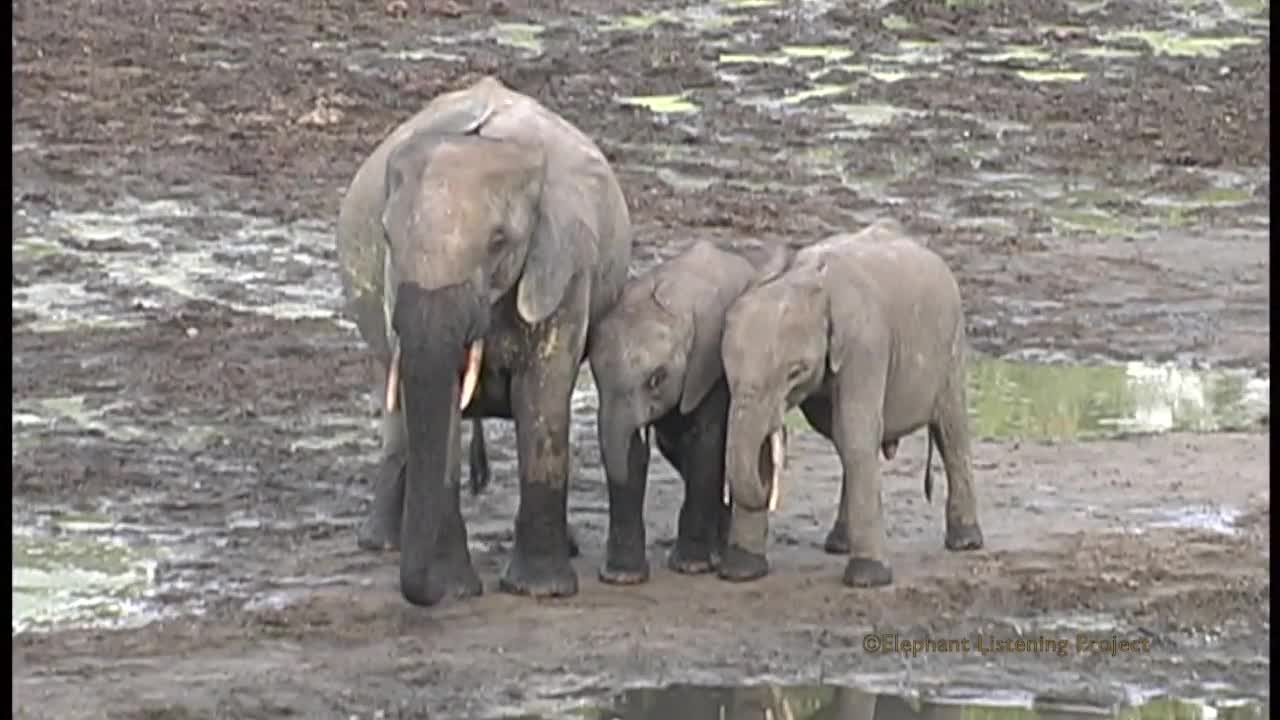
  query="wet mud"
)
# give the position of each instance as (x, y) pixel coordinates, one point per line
(194, 436)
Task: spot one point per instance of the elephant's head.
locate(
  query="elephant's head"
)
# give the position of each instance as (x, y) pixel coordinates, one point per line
(774, 350)
(466, 222)
(658, 349)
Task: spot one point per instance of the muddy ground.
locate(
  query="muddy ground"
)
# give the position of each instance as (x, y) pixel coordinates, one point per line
(1122, 214)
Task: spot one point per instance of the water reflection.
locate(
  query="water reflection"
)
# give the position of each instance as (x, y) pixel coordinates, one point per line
(1020, 399)
(689, 702)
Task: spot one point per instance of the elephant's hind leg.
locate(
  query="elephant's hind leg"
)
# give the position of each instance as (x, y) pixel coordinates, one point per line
(381, 527)
(817, 410)
(949, 430)
(478, 479)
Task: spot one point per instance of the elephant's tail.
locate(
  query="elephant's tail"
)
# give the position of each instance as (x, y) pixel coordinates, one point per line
(928, 470)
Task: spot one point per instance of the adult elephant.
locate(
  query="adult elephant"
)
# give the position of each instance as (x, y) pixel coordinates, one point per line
(478, 243)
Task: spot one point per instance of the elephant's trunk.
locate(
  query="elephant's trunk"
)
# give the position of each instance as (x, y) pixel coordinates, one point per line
(624, 445)
(437, 366)
(755, 451)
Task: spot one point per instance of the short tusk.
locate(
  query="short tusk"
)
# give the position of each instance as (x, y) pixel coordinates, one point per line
(393, 380)
(471, 377)
(777, 456)
(648, 436)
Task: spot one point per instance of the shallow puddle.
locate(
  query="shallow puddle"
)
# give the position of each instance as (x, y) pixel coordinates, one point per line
(1010, 399)
(828, 702)
(70, 574)
(1023, 400)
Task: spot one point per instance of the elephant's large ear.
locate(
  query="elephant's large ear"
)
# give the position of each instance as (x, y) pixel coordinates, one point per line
(563, 243)
(705, 365)
(837, 328)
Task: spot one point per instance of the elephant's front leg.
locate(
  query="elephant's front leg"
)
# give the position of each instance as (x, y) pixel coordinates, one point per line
(817, 410)
(381, 527)
(698, 454)
(857, 428)
(541, 392)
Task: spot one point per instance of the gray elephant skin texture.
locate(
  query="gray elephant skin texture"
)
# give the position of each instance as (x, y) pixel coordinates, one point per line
(865, 333)
(478, 244)
(655, 358)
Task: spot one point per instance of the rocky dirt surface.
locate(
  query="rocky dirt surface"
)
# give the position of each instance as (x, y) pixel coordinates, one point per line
(1098, 194)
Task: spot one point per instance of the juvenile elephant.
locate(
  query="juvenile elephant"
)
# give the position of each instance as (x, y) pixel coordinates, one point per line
(656, 362)
(865, 332)
(478, 243)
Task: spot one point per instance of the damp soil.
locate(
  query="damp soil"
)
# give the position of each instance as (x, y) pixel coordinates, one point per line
(1098, 181)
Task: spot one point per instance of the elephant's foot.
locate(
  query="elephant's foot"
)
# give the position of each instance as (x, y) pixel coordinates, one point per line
(624, 558)
(455, 578)
(374, 535)
(380, 530)
(538, 575)
(837, 542)
(963, 537)
(739, 565)
(631, 570)
(693, 557)
(867, 573)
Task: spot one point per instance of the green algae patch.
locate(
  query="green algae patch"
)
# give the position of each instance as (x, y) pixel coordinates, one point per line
(637, 23)
(661, 104)
(1180, 45)
(525, 36)
(1016, 54)
(872, 114)
(1051, 76)
(826, 53)
(817, 91)
(753, 58)
(1093, 220)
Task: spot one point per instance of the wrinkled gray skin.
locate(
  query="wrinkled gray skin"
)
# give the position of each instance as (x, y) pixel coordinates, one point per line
(656, 362)
(483, 218)
(865, 333)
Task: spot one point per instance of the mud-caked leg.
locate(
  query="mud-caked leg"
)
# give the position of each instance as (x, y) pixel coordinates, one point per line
(625, 561)
(817, 410)
(539, 564)
(857, 429)
(381, 527)
(950, 432)
(697, 453)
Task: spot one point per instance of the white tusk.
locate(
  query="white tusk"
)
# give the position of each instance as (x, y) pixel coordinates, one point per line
(471, 377)
(393, 380)
(777, 456)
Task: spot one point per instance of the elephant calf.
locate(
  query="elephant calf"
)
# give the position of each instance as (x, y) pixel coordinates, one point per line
(865, 332)
(656, 362)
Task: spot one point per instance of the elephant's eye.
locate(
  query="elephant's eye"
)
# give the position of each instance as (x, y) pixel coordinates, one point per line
(497, 241)
(655, 380)
(794, 373)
